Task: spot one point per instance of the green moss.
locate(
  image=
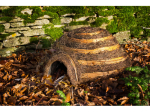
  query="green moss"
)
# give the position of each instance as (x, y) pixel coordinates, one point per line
(46, 42)
(7, 19)
(79, 23)
(125, 23)
(2, 28)
(10, 13)
(54, 33)
(34, 40)
(99, 22)
(51, 14)
(113, 26)
(146, 32)
(31, 18)
(3, 36)
(43, 40)
(56, 21)
(135, 31)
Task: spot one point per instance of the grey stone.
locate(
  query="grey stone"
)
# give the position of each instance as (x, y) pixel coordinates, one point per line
(148, 39)
(103, 26)
(110, 17)
(4, 7)
(24, 40)
(20, 48)
(7, 25)
(91, 19)
(121, 36)
(17, 29)
(58, 26)
(17, 19)
(35, 27)
(11, 42)
(70, 14)
(33, 32)
(7, 51)
(13, 35)
(65, 20)
(34, 46)
(27, 10)
(82, 18)
(18, 24)
(44, 17)
(76, 26)
(39, 22)
(1, 45)
(48, 37)
(16, 41)
(2, 21)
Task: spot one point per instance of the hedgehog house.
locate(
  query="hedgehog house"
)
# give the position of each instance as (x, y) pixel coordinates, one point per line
(88, 53)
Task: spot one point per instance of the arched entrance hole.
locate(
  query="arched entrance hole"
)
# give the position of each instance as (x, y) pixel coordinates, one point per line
(58, 69)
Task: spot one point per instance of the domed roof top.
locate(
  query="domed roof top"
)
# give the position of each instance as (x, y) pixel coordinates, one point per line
(88, 32)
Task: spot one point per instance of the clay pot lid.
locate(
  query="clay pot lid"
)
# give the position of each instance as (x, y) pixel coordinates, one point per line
(88, 32)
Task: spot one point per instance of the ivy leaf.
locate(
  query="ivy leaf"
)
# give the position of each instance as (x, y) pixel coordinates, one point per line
(144, 102)
(62, 95)
(129, 84)
(136, 101)
(137, 69)
(132, 94)
(137, 95)
(65, 104)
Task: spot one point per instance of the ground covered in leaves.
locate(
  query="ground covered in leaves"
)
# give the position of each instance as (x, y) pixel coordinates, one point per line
(22, 81)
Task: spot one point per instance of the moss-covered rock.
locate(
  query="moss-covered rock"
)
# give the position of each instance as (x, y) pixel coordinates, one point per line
(2, 28)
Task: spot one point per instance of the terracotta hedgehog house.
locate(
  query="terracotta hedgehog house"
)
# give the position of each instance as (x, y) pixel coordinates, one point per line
(88, 53)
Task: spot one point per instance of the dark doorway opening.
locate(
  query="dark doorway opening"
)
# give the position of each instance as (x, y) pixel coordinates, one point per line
(58, 69)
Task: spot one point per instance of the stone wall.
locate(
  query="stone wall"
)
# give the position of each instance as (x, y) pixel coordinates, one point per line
(22, 34)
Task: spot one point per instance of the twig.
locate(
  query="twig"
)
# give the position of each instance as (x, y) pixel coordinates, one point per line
(39, 101)
(141, 91)
(72, 99)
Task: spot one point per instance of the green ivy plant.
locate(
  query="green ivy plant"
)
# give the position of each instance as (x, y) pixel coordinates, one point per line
(62, 95)
(135, 83)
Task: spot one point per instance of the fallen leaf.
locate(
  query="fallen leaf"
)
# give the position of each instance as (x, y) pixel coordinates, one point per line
(91, 104)
(123, 98)
(23, 98)
(11, 100)
(1, 84)
(80, 92)
(68, 97)
(107, 89)
(9, 77)
(124, 101)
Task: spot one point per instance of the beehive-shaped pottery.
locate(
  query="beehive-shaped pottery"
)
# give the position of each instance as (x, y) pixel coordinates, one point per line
(88, 53)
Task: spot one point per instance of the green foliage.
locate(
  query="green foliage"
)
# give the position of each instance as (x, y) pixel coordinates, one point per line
(142, 79)
(62, 95)
(131, 18)
(3, 36)
(56, 21)
(113, 26)
(54, 33)
(34, 40)
(43, 40)
(2, 28)
(78, 23)
(99, 22)
(136, 31)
